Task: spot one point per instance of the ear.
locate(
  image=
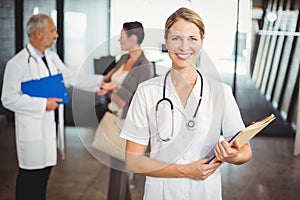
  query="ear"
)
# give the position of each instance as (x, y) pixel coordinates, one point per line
(38, 33)
(133, 38)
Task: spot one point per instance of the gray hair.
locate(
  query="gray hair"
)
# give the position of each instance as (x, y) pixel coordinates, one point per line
(39, 21)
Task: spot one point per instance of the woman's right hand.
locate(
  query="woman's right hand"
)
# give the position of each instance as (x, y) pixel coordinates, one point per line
(106, 87)
(109, 86)
(199, 170)
(101, 92)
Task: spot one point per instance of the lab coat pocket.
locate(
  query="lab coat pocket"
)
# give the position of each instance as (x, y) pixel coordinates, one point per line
(153, 189)
(29, 129)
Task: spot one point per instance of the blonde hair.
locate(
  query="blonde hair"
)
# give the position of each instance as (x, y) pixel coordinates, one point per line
(188, 15)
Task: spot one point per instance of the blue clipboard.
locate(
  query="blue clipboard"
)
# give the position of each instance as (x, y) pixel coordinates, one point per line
(50, 86)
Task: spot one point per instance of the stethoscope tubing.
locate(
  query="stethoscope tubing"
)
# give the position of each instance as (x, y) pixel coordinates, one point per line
(30, 56)
(28, 63)
(172, 108)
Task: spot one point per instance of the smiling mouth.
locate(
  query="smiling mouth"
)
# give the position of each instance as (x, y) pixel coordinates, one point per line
(185, 56)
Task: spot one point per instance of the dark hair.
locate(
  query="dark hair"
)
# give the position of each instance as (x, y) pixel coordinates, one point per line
(135, 28)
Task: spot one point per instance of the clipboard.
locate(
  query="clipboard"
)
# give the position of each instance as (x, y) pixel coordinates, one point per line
(246, 134)
(50, 86)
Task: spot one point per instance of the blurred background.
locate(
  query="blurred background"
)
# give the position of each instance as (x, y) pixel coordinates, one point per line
(252, 45)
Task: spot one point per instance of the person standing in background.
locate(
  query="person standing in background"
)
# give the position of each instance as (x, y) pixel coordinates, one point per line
(132, 69)
(121, 83)
(35, 121)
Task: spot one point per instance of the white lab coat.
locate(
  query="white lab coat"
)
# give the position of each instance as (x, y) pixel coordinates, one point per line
(217, 113)
(35, 127)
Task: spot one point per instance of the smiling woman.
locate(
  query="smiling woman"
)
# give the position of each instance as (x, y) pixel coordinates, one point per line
(184, 35)
(184, 42)
(176, 168)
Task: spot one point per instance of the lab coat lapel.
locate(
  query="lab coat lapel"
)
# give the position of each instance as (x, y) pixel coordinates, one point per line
(193, 100)
(51, 64)
(173, 96)
(38, 68)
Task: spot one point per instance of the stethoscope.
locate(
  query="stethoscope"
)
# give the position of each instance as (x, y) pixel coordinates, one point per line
(190, 124)
(28, 63)
(30, 57)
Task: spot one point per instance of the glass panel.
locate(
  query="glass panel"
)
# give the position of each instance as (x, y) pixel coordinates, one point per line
(86, 26)
(35, 7)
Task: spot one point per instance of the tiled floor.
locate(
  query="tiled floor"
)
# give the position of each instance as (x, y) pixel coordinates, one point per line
(272, 174)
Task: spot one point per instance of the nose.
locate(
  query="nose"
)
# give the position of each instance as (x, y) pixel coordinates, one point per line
(184, 45)
(56, 35)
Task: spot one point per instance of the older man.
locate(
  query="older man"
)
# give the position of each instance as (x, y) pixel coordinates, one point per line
(35, 117)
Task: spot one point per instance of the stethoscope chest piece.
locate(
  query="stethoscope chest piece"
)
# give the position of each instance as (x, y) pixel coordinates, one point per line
(190, 124)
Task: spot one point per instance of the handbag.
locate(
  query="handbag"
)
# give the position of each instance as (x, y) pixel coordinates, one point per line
(107, 137)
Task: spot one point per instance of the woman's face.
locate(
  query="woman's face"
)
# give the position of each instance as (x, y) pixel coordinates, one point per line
(125, 41)
(184, 43)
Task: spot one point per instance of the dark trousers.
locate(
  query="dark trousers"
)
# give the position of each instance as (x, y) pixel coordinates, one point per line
(32, 184)
(118, 188)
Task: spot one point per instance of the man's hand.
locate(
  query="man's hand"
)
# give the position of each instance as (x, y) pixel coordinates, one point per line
(52, 103)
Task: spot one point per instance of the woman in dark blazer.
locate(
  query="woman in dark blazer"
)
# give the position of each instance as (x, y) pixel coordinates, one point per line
(133, 68)
(120, 83)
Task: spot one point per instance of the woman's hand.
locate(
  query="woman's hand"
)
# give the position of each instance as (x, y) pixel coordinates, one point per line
(198, 170)
(234, 154)
(106, 87)
(109, 86)
(102, 92)
(226, 153)
(138, 163)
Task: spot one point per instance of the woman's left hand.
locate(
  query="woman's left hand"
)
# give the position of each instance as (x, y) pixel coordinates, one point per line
(226, 153)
